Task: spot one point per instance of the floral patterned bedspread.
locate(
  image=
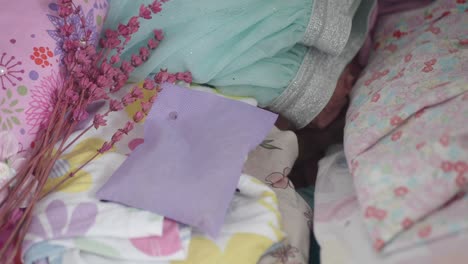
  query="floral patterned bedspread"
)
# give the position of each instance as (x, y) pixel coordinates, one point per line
(406, 138)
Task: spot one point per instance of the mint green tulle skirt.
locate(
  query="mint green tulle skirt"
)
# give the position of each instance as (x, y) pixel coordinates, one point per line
(242, 47)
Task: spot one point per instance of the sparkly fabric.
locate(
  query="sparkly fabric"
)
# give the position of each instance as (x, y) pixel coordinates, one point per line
(330, 25)
(316, 79)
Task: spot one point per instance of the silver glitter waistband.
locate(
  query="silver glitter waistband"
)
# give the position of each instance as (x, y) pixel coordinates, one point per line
(311, 89)
(316, 79)
(330, 25)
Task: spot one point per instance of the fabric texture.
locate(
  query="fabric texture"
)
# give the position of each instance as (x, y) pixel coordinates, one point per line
(406, 135)
(271, 163)
(251, 227)
(264, 43)
(200, 157)
(30, 54)
(330, 25)
(315, 82)
(172, 244)
(383, 8)
(343, 237)
(244, 239)
(197, 35)
(72, 216)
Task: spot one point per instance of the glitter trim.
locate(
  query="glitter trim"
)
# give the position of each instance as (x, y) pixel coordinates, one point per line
(315, 25)
(311, 89)
(316, 79)
(330, 25)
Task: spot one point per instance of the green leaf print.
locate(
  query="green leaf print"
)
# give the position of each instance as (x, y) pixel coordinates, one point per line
(96, 247)
(386, 169)
(13, 103)
(266, 144)
(15, 120)
(98, 20)
(155, 218)
(9, 112)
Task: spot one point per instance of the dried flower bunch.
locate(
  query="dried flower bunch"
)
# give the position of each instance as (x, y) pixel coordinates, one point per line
(90, 76)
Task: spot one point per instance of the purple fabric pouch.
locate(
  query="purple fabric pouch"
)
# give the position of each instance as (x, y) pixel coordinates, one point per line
(190, 163)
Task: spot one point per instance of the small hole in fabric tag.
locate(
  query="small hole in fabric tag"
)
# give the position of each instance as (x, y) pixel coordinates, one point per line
(173, 115)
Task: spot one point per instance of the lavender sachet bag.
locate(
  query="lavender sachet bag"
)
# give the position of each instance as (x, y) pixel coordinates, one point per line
(189, 165)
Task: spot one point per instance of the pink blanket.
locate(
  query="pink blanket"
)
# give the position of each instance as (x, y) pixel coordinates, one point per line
(406, 138)
(343, 238)
(383, 8)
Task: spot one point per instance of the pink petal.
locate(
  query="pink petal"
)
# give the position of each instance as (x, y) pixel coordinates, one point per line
(274, 177)
(283, 183)
(167, 244)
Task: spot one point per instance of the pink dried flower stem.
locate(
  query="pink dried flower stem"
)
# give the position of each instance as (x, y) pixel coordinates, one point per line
(19, 190)
(24, 188)
(82, 133)
(49, 128)
(89, 77)
(69, 176)
(20, 229)
(62, 150)
(67, 135)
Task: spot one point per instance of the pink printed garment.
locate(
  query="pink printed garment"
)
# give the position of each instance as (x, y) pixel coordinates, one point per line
(343, 238)
(406, 138)
(30, 54)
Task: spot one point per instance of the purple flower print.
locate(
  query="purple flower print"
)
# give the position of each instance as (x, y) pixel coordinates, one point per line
(101, 4)
(44, 98)
(10, 71)
(79, 33)
(61, 225)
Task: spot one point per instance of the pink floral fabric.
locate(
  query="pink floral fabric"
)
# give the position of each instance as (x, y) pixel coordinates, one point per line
(343, 238)
(30, 52)
(406, 138)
